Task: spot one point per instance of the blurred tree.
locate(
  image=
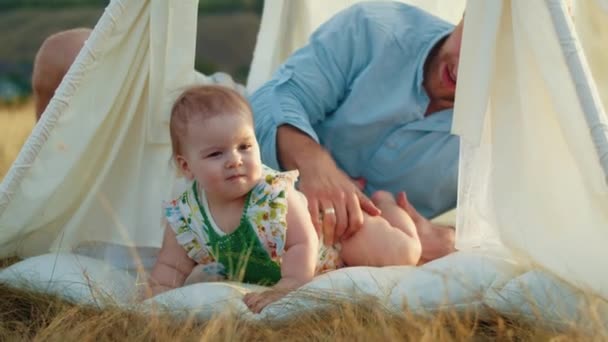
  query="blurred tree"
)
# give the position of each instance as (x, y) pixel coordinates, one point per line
(13, 4)
(206, 6)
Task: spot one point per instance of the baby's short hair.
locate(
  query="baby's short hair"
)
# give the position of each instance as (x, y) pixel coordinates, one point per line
(203, 102)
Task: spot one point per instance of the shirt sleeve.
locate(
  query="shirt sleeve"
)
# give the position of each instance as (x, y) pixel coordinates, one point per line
(312, 82)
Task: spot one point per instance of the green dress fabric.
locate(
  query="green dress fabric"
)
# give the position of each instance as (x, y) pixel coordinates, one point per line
(240, 252)
(253, 252)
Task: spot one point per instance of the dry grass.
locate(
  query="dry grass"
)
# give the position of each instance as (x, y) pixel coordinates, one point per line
(26, 315)
(16, 123)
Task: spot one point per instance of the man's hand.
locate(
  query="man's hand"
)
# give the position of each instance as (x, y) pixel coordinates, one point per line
(335, 202)
(437, 241)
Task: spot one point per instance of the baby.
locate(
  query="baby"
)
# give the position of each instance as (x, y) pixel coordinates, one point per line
(242, 221)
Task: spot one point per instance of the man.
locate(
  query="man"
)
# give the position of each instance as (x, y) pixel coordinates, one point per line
(52, 62)
(369, 98)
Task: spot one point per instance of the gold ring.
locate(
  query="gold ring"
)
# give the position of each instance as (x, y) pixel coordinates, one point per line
(329, 211)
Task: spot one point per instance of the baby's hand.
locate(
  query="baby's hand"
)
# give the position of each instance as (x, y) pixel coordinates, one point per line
(257, 301)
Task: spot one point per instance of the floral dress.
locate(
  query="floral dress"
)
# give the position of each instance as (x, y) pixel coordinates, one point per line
(252, 253)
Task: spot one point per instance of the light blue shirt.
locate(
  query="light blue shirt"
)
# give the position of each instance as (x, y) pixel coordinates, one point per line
(356, 88)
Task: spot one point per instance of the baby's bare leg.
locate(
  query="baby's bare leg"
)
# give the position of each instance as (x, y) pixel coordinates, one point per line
(395, 215)
(390, 239)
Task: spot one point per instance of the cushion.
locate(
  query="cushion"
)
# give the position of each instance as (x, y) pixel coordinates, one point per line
(462, 281)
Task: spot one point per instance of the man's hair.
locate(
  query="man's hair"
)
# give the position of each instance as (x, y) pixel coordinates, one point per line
(200, 103)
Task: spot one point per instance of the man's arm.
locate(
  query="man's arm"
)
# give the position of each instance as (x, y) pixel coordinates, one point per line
(325, 185)
(312, 83)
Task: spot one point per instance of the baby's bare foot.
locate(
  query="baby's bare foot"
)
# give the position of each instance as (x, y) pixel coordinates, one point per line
(436, 242)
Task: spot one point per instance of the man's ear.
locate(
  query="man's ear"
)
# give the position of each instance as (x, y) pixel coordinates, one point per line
(184, 167)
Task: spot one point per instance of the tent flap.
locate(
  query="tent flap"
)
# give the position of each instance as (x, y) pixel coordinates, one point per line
(535, 182)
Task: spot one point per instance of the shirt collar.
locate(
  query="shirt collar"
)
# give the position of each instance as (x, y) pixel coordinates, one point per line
(440, 121)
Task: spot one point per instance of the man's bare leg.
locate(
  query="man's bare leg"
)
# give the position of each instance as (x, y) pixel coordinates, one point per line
(52, 62)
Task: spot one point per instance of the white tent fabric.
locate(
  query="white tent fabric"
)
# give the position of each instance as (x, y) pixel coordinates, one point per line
(534, 135)
(97, 166)
(98, 161)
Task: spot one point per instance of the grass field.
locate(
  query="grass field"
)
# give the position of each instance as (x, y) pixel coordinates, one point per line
(30, 316)
(16, 123)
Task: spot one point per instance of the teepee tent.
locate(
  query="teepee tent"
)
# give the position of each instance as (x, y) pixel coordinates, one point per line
(534, 152)
(97, 165)
(534, 136)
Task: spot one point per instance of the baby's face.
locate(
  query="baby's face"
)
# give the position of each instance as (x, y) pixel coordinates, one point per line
(222, 154)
